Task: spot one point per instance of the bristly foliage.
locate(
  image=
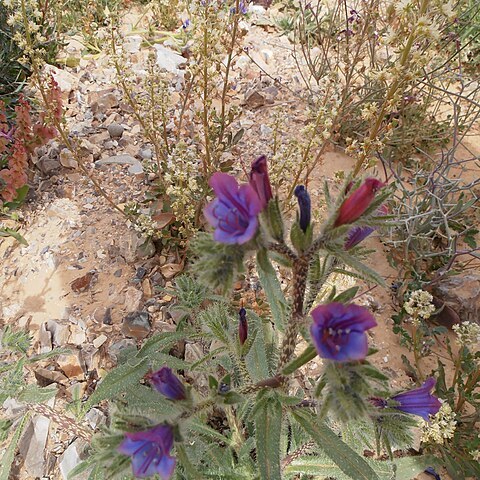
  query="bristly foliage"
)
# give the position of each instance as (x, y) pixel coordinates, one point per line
(217, 264)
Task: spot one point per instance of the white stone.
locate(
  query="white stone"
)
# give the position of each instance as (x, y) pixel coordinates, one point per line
(168, 59)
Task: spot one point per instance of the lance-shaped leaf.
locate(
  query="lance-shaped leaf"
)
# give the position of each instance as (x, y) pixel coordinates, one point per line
(347, 459)
(273, 290)
(268, 426)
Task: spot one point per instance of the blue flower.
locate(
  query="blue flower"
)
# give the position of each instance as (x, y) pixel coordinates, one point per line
(165, 382)
(150, 451)
(419, 401)
(338, 331)
(234, 212)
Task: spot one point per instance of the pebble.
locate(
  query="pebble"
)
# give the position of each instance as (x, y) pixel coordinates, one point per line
(136, 325)
(99, 341)
(115, 130)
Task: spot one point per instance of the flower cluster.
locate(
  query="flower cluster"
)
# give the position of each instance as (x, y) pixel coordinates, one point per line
(468, 335)
(419, 305)
(441, 427)
(150, 449)
(19, 141)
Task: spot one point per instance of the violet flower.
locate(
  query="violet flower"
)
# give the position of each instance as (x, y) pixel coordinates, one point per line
(242, 326)
(168, 384)
(234, 212)
(259, 180)
(419, 401)
(304, 204)
(150, 451)
(358, 234)
(354, 206)
(7, 135)
(338, 331)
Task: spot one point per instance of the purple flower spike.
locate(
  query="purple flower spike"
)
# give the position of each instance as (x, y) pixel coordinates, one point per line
(150, 451)
(242, 326)
(234, 212)
(338, 331)
(304, 204)
(259, 180)
(419, 401)
(168, 384)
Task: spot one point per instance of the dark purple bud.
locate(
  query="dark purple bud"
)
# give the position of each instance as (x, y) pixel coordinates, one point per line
(304, 205)
(150, 452)
(259, 180)
(168, 384)
(338, 331)
(234, 212)
(242, 326)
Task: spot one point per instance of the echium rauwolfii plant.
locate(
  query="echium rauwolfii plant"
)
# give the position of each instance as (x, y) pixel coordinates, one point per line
(240, 404)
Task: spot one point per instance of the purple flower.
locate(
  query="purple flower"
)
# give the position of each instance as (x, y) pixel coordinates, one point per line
(358, 234)
(168, 384)
(7, 135)
(242, 326)
(150, 451)
(338, 331)
(259, 180)
(234, 212)
(186, 24)
(419, 401)
(304, 205)
(354, 206)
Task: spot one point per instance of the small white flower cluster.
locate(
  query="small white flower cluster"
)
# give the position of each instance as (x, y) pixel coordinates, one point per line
(146, 226)
(475, 455)
(184, 189)
(441, 427)
(468, 335)
(419, 305)
(27, 29)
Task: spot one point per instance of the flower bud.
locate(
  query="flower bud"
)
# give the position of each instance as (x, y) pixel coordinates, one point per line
(242, 326)
(259, 180)
(355, 205)
(304, 205)
(168, 384)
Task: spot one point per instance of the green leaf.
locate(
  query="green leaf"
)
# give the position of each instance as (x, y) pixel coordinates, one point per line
(35, 394)
(9, 455)
(346, 296)
(308, 354)
(410, 467)
(268, 426)
(273, 290)
(362, 270)
(10, 232)
(160, 342)
(347, 459)
(256, 358)
(117, 381)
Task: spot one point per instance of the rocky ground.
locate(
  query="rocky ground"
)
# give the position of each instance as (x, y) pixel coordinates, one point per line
(84, 281)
